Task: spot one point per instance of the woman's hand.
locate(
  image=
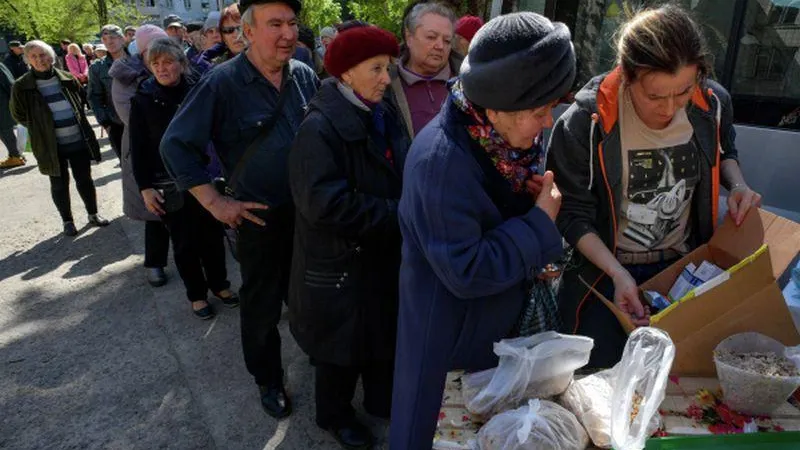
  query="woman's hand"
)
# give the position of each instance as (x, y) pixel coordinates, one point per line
(626, 297)
(153, 201)
(740, 200)
(549, 198)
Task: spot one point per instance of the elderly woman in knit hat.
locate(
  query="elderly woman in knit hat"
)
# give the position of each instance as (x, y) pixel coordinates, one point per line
(476, 217)
(466, 27)
(345, 174)
(127, 74)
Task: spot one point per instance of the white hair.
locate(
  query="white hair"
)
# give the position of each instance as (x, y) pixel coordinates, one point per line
(412, 20)
(169, 48)
(30, 45)
(247, 18)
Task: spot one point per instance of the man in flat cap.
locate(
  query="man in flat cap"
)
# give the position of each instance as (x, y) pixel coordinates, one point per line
(15, 61)
(99, 91)
(236, 106)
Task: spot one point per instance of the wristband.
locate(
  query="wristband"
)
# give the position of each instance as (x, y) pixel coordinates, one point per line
(737, 187)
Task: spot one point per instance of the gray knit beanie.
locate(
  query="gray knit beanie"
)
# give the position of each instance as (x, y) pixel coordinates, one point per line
(518, 61)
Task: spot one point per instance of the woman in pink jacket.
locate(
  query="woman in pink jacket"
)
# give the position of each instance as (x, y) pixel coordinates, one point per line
(77, 64)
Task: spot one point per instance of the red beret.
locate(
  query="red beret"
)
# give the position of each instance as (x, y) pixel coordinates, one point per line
(356, 45)
(467, 26)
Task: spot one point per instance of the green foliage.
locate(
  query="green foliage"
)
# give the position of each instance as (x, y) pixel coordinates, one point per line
(317, 14)
(387, 14)
(53, 20)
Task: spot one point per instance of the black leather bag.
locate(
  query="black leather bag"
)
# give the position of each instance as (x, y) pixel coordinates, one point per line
(173, 197)
(227, 186)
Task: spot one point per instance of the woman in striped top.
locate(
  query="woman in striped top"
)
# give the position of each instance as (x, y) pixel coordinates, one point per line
(47, 102)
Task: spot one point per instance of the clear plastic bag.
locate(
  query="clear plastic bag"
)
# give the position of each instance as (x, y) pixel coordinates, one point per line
(590, 400)
(640, 384)
(750, 392)
(539, 366)
(22, 139)
(539, 425)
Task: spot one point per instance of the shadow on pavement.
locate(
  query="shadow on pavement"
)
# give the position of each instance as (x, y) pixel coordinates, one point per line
(91, 368)
(93, 357)
(86, 251)
(18, 170)
(105, 179)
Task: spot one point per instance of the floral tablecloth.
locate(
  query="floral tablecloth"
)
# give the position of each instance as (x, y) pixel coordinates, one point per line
(691, 407)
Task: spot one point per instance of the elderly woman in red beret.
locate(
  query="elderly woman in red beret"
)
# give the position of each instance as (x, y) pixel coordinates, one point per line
(345, 174)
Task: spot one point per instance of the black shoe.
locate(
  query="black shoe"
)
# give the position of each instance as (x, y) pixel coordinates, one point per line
(275, 401)
(156, 276)
(204, 313)
(354, 436)
(97, 221)
(231, 301)
(69, 229)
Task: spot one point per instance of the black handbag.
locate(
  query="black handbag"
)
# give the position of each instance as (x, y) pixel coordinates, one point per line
(227, 186)
(173, 197)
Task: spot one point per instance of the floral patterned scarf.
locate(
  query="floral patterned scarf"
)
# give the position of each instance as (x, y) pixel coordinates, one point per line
(515, 165)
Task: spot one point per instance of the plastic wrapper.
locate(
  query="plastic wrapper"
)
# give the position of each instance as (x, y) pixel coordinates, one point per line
(749, 391)
(539, 366)
(539, 425)
(590, 400)
(640, 384)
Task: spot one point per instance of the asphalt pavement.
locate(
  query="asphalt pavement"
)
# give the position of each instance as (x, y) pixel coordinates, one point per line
(91, 356)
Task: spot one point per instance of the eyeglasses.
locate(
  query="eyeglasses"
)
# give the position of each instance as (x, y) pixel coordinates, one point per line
(229, 30)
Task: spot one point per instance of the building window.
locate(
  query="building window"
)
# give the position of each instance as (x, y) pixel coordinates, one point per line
(187, 4)
(783, 15)
(168, 4)
(766, 78)
(755, 47)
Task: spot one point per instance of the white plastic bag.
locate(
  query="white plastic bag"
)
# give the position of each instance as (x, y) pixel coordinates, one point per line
(538, 366)
(640, 384)
(22, 139)
(793, 354)
(539, 425)
(590, 400)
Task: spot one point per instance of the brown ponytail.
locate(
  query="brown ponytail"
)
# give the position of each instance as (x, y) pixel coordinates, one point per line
(664, 39)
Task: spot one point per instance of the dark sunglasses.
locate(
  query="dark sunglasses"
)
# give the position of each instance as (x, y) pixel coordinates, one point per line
(229, 30)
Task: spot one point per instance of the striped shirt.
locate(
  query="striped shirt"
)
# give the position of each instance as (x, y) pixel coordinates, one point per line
(68, 133)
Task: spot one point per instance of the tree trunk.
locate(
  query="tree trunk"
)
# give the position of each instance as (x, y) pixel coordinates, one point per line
(509, 6)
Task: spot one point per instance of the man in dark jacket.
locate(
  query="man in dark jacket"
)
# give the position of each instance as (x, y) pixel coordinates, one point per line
(15, 61)
(100, 86)
(229, 107)
(7, 123)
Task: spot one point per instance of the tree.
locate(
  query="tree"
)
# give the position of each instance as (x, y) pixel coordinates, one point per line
(387, 14)
(53, 20)
(317, 14)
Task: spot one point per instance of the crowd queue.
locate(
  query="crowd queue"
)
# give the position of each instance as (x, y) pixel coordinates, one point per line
(399, 198)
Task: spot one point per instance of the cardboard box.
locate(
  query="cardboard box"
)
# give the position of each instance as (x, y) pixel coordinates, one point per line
(764, 246)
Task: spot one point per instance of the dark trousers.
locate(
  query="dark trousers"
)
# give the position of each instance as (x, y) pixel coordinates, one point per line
(9, 139)
(156, 244)
(336, 385)
(59, 186)
(115, 137)
(265, 258)
(198, 248)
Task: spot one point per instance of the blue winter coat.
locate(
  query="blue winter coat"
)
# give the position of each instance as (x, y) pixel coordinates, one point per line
(464, 273)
